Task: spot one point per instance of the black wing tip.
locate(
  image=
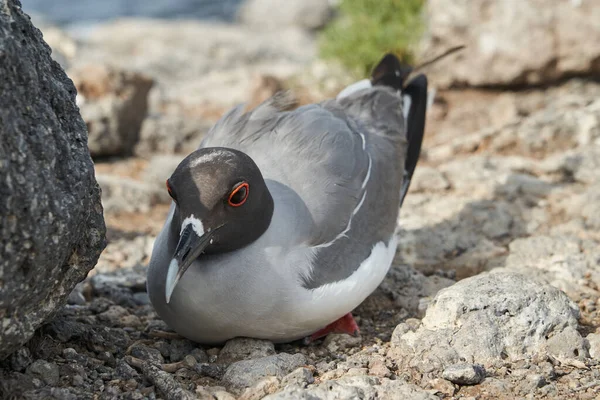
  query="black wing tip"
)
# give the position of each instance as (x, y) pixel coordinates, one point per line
(416, 89)
(390, 72)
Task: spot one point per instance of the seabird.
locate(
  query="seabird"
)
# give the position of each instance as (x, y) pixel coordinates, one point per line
(284, 221)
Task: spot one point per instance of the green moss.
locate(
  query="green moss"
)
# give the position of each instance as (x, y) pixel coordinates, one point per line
(366, 29)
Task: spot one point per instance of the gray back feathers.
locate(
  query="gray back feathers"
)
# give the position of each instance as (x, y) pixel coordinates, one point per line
(344, 159)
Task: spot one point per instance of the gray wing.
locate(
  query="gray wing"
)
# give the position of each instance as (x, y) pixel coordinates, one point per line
(344, 158)
(316, 150)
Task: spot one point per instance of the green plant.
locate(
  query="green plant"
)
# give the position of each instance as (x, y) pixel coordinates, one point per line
(367, 29)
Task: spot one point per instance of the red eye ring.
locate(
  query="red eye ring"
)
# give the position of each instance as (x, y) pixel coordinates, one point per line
(239, 195)
(169, 190)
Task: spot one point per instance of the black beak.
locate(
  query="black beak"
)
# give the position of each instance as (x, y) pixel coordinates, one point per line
(189, 248)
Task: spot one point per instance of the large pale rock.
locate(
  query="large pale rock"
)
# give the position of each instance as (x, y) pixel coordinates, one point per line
(488, 318)
(245, 349)
(194, 62)
(52, 229)
(245, 373)
(509, 43)
(113, 104)
(554, 120)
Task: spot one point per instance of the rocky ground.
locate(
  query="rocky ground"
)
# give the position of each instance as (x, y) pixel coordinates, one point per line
(494, 291)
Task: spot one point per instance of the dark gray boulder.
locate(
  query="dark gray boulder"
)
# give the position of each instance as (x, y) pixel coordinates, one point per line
(51, 225)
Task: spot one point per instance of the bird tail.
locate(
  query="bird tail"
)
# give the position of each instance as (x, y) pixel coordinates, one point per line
(391, 72)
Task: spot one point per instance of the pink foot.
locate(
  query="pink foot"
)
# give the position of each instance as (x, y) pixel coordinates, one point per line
(346, 324)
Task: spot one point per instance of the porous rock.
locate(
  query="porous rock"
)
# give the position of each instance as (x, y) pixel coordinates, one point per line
(299, 377)
(594, 344)
(238, 349)
(52, 229)
(490, 317)
(262, 388)
(464, 374)
(46, 371)
(20, 359)
(562, 39)
(245, 373)
(354, 387)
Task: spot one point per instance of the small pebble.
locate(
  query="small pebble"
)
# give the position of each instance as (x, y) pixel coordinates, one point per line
(20, 359)
(147, 353)
(213, 351)
(219, 393)
(593, 340)
(125, 370)
(163, 347)
(300, 377)
(200, 355)
(46, 371)
(211, 370)
(464, 374)
(77, 380)
(70, 353)
(537, 380)
(130, 385)
(245, 349)
(180, 348)
(378, 368)
(76, 297)
(442, 386)
(108, 358)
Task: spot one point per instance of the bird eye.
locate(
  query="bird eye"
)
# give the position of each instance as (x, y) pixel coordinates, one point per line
(239, 194)
(170, 191)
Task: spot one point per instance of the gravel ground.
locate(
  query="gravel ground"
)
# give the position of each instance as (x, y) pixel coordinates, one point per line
(493, 293)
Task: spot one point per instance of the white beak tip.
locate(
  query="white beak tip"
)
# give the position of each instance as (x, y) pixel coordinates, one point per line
(171, 281)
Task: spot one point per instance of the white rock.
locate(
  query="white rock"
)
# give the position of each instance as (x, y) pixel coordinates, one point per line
(113, 103)
(464, 374)
(195, 62)
(490, 317)
(532, 41)
(594, 343)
